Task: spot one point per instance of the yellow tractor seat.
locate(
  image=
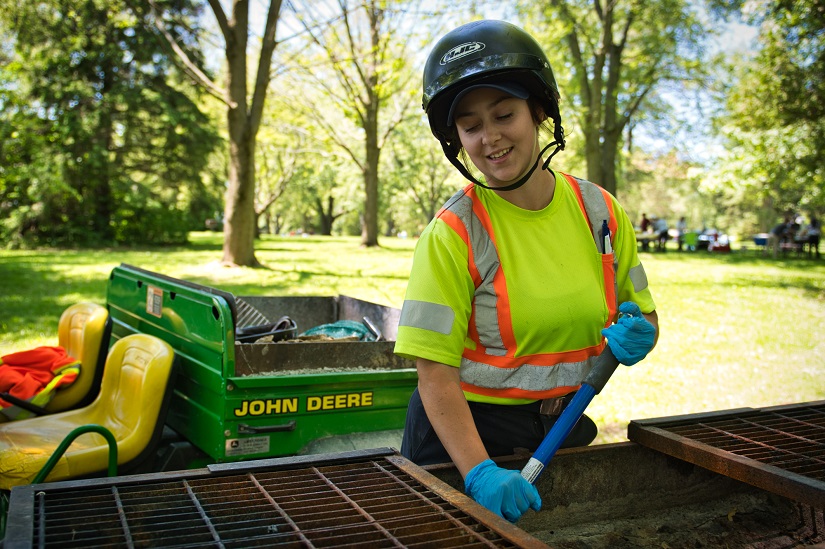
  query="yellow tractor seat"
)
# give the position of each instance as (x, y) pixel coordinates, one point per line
(84, 331)
(134, 395)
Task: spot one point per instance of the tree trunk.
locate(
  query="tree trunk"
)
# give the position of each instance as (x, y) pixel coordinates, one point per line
(369, 227)
(593, 151)
(243, 117)
(239, 211)
(95, 177)
(610, 158)
(602, 121)
(243, 120)
(101, 186)
(326, 217)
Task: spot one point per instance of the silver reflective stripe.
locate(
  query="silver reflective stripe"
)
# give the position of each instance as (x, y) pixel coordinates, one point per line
(597, 213)
(427, 316)
(487, 262)
(527, 377)
(639, 278)
(596, 207)
(489, 332)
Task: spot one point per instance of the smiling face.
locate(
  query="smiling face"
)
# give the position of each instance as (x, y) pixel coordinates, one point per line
(499, 134)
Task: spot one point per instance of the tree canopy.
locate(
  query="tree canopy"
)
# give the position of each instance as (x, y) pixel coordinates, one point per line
(101, 140)
(774, 120)
(114, 130)
(614, 57)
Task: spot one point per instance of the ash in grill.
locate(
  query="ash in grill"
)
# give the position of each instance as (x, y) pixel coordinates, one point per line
(779, 449)
(361, 500)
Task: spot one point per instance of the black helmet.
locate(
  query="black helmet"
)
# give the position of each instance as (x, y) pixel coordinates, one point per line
(481, 51)
(478, 53)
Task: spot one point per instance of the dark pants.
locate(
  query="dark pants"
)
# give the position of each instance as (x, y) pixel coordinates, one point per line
(813, 245)
(502, 430)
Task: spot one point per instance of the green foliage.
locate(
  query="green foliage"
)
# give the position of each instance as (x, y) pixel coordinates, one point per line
(775, 120)
(101, 144)
(612, 61)
(662, 187)
(418, 179)
(361, 59)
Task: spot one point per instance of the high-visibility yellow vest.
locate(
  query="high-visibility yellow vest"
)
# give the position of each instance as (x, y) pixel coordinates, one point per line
(492, 369)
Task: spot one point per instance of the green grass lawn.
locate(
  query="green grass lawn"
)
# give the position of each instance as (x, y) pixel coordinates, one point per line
(737, 330)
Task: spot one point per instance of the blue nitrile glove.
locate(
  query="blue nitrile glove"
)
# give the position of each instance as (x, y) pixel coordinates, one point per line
(632, 336)
(502, 491)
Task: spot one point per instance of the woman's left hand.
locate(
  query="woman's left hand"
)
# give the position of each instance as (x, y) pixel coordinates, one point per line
(632, 337)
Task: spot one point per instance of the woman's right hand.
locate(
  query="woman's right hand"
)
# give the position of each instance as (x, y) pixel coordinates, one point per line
(502, 491)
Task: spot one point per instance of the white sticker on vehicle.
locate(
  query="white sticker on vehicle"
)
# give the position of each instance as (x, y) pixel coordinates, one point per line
(154, 301)
(247, 446)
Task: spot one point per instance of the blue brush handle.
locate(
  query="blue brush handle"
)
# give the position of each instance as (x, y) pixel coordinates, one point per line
(591, 386)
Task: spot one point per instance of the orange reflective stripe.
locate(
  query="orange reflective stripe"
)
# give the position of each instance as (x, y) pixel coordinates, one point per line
(609, 262)
(472, 331)
(496, 371)
(609, 270)
(612, 222)
(525, 381)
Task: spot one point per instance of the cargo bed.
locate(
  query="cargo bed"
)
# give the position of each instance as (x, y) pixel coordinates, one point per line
(236, 401)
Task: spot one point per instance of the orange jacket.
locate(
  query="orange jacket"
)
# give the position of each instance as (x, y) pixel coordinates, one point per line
(26, 374)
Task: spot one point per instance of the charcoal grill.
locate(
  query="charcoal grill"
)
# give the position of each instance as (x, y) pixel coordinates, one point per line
(779, 449)
(373, 498)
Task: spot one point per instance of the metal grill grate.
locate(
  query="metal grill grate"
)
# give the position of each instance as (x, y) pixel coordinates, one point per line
(779, 449)
(369, 503)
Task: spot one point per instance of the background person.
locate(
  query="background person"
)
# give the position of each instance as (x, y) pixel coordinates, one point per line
(814, 231)
(660, 227)
(506, 306)
(777, 235)
(644, 227)
(681, 230)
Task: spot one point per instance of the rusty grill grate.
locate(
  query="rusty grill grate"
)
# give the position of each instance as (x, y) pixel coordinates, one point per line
(779, 449)
(373, 502)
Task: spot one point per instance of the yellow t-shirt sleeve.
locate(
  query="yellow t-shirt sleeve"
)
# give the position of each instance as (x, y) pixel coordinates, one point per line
(436, 309)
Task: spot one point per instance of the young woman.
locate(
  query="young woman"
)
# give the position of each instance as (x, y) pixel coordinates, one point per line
(518, 279)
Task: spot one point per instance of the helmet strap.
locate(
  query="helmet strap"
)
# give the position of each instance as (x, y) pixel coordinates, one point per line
(559, 147)
(453, 158)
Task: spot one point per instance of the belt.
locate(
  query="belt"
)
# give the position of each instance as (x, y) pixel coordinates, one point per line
(555, 406)
(552, 407)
